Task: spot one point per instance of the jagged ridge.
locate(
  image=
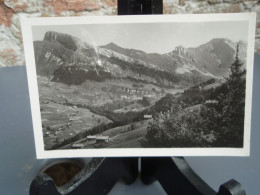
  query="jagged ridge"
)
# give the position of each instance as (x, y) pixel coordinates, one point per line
(179, 67)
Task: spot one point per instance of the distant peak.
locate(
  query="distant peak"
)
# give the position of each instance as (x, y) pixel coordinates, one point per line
(111, 44)
(179, 46)
(52, 35)
(66, 40)
(49, 35)
(180, 49)
(219, 40)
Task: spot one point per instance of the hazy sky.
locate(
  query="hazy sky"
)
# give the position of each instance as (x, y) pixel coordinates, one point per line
(151, 38)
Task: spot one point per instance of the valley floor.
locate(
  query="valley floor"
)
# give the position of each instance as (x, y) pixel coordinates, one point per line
(69, 112)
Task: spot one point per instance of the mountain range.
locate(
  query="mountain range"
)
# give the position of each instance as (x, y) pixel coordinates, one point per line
(67, 59)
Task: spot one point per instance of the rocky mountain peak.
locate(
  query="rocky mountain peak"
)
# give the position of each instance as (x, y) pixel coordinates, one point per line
(212, 59)
(69, 41)
(51, 35)
(112, 46)
(220, 43)
(66, 40)
(180, 50)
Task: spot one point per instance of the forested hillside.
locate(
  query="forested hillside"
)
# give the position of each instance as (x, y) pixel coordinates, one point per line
(214, 120)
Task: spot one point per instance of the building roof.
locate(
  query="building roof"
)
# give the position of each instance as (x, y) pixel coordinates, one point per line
(148, 116)
(91, 137)
(102, 137)
(77, 145)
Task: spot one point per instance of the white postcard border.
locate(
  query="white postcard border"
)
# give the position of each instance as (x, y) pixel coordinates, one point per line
(27, 24)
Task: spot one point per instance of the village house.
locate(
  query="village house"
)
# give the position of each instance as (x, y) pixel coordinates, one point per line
(98, 138)
(91, 137)
(211, 101)
(47, 133)
(132, 91)
(102, 139)
(148, 116)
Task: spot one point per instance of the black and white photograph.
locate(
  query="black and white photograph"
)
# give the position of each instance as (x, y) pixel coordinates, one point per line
(140, 85)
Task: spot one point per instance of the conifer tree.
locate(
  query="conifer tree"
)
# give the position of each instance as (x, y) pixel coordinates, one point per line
(233, 105)
(217, 125)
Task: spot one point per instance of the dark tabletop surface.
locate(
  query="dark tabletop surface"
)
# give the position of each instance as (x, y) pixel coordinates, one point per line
(18, 163)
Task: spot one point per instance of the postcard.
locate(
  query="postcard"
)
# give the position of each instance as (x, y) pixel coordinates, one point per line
(164, 85)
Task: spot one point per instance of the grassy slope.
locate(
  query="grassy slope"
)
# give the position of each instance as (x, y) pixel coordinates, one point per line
(56, 114)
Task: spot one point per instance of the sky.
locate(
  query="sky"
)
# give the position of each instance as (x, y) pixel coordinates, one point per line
(153, 37)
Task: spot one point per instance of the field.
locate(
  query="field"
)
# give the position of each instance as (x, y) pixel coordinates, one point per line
(127, 136)
(69, 110)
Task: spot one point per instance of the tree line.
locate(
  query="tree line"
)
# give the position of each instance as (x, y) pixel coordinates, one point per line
(217, 124)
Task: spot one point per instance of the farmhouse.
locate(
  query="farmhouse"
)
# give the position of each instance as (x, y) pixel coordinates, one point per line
(132, 91)
(91, 137)
(148, 116)
(211, 102)
(98, 138)
(101, 139)
(47, 133)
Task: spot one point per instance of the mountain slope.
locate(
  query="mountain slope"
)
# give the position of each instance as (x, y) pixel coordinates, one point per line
(214, 57)
(68, 59)
(155, 60)
(211, 59)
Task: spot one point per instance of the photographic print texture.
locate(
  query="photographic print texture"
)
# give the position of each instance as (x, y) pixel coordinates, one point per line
(140, 85)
